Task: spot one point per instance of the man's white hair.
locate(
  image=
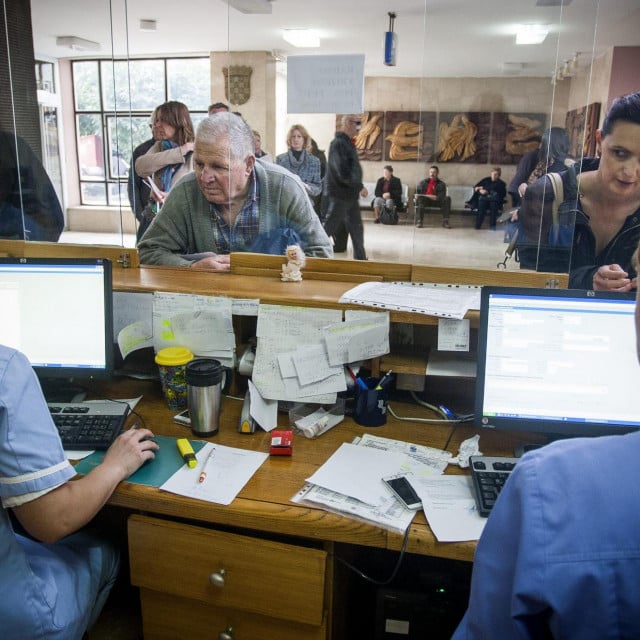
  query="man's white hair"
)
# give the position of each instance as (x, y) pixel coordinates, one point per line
(232, 127)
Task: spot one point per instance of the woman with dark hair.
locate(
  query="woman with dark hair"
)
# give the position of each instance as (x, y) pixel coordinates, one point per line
(552, 155)
(169, 159)
(599, 208)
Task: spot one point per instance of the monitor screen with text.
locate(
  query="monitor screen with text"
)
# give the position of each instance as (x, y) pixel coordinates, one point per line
(558, 361)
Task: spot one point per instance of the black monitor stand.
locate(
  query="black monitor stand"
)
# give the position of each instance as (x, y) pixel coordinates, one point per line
(62, 390)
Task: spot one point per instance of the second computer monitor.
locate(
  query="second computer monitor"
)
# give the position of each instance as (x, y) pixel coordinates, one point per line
(560, 362)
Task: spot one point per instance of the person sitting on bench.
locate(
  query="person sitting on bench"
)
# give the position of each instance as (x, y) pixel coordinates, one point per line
(490, 193)
(431, 193)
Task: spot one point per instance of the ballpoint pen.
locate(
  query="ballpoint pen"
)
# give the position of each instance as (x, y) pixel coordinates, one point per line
(359, 381)
(205, 465)
(383, 381)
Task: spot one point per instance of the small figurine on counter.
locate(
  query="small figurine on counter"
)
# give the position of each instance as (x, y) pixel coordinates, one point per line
(291, 272)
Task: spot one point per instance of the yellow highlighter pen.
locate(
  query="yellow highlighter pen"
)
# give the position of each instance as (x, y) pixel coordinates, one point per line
(187, 452)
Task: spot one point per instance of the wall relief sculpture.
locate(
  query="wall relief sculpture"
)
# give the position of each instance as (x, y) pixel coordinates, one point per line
(464, 137)
(409, 135)
(514, 134)
(581, 125)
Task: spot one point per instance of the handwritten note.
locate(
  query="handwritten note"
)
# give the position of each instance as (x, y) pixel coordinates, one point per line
(227, 473)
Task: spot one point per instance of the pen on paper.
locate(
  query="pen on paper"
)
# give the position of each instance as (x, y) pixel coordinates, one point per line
(205, 465)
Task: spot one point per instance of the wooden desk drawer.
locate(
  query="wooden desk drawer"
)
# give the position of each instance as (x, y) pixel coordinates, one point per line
(269, 578)
(168, 617)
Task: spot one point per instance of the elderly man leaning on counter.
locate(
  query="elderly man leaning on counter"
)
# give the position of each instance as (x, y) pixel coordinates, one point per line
(229, 203)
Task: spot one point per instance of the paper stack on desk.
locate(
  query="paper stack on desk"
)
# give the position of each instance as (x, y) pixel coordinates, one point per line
(350, 482)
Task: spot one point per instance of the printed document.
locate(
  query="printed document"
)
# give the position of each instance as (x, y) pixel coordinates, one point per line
(443, 300)
(449, 507)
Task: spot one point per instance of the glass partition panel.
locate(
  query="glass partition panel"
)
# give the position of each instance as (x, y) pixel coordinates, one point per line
(460, 85)
(188, 81)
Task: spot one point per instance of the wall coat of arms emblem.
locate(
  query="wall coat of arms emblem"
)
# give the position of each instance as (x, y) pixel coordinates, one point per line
(237, 83)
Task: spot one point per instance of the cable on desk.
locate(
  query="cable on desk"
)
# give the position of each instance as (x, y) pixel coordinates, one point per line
(455, 420)
(133, 411)
(379, 583)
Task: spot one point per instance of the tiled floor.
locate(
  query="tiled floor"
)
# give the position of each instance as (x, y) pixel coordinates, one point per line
(461, 246)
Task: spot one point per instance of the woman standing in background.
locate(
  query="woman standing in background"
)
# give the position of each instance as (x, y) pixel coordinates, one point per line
(170, 157)
(298, 160)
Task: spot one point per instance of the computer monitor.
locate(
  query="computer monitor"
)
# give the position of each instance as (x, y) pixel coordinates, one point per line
(59, 313)
(560, 362)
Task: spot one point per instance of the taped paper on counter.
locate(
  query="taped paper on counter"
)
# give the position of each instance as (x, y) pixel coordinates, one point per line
(133, 337)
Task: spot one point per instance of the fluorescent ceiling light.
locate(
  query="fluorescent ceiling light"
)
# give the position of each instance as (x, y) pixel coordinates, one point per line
(78, 44)
(302, 37)
(531, 33)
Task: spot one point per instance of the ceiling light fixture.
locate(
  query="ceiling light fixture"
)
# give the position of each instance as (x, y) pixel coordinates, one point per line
(77, 44)
(148, 25)
(303, 38)
(531, 33)
(250, 6)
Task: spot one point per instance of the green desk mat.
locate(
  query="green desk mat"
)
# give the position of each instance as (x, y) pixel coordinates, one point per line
(153, 473)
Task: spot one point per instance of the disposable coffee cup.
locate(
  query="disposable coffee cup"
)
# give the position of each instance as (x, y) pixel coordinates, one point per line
(172, 363)
(207, 380)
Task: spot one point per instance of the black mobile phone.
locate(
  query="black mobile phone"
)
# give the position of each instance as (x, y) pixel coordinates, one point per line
(183, 418)
(403, 490)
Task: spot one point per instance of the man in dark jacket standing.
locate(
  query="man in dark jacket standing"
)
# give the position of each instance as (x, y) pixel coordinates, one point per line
(343, 186)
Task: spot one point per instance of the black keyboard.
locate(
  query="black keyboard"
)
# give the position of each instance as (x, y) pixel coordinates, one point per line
(489, 475)
(88, 425)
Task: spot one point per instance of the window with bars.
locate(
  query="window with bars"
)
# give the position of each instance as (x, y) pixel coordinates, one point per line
(113, 102)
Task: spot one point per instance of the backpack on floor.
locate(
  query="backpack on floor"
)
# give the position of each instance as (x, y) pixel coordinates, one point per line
(389, 216)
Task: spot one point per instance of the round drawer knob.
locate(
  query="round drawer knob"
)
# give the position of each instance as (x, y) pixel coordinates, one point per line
(226, 635)
(217, 578)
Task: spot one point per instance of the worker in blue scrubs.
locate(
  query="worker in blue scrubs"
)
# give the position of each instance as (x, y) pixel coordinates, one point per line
(560, 554)
(54, 577)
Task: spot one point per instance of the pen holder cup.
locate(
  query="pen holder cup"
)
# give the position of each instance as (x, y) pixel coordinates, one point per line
(172, 363)
(370, 408)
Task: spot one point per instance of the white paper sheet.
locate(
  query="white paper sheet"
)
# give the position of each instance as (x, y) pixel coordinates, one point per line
(264, 412)
(135, 336)
(358, 471)
(283, 329)
(443, 300)
(453, 335)
(449, 507)
(357, 339)
(227, 473)
(203, 324)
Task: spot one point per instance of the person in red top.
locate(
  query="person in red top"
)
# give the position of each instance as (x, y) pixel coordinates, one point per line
(431, 193)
